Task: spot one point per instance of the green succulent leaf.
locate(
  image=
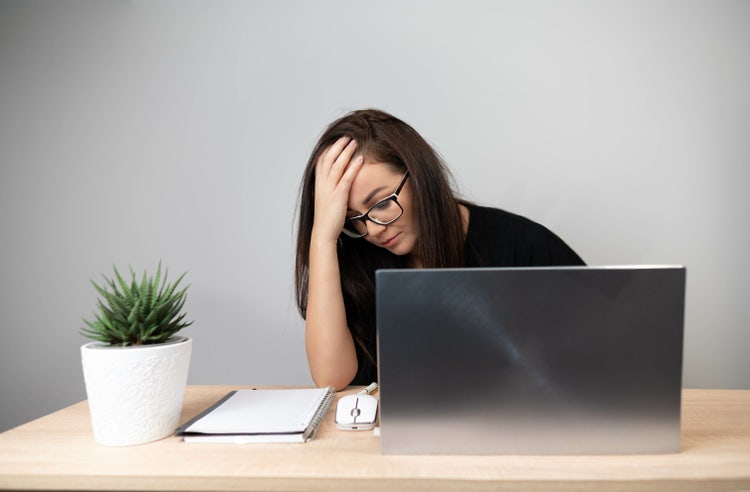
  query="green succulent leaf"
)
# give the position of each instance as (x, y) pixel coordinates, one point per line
(137, 313)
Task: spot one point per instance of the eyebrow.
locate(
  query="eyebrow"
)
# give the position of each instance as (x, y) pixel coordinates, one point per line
(372, 194)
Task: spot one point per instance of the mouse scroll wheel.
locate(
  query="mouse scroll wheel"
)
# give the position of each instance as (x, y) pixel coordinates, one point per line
(355, 411)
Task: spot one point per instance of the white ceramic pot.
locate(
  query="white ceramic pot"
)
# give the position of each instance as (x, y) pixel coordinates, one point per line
(135, 394)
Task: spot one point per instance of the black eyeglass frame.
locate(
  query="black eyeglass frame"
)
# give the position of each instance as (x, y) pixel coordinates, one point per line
(366, 216)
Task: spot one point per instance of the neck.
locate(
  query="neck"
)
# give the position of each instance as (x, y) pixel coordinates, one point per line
(415, 262)
(464, 211)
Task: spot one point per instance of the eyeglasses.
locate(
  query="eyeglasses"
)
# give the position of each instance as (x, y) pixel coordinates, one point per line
(384, 212)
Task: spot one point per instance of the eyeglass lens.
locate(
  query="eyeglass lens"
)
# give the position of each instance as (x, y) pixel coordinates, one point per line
(383, 212)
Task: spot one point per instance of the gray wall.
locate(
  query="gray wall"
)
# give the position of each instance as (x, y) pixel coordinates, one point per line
(137, 131)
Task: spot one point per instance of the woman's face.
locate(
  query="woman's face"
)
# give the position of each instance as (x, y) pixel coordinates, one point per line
(375, 181)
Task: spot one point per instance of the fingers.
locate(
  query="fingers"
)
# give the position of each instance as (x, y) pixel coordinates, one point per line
(352, 170)
(335, 170)
(334, 160)
(343, 159)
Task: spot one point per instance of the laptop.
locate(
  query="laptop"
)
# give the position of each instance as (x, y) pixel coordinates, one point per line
(563, 360)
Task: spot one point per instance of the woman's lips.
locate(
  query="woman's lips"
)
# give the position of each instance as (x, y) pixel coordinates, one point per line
(391, 241)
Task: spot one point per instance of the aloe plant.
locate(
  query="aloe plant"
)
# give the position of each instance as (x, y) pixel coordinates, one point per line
(138, 313)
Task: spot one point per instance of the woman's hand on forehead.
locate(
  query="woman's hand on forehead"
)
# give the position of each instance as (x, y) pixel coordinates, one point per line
(335, 170)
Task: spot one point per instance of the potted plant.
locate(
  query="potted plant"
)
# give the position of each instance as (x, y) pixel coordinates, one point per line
(136, 369)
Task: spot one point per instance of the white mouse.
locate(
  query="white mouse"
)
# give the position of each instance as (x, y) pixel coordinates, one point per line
(356, 412)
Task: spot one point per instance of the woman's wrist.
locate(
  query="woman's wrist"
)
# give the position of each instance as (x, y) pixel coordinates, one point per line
(318, 239)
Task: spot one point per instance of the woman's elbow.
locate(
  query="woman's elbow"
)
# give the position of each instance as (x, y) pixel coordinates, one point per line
(338, 380)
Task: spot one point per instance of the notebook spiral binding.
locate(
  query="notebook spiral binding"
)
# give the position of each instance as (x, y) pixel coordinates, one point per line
(321, 411)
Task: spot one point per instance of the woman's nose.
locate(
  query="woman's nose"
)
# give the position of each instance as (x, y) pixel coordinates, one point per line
(373, 228)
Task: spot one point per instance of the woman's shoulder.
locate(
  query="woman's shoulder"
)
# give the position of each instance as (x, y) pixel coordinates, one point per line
(502, 238)
(490, 220)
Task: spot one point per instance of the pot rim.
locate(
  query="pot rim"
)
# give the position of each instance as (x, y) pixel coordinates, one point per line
(177, 339)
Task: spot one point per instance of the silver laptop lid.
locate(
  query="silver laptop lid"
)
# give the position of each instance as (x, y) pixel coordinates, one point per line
(568, 360)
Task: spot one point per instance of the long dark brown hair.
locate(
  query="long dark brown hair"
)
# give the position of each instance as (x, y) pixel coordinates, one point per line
(384, 138)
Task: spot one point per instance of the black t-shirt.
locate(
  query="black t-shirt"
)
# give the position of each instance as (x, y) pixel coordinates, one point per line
(496, 238)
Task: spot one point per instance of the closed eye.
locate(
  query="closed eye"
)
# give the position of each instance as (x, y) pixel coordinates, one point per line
(381, 205)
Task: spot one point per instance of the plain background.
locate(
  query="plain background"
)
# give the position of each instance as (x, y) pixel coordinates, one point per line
(137, 131)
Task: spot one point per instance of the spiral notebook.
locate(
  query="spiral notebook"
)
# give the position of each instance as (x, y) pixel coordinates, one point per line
(266, 415)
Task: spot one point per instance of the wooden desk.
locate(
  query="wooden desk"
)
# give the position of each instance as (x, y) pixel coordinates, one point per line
(58, 452)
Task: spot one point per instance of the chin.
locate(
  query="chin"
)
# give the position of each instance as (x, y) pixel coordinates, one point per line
(402, 249)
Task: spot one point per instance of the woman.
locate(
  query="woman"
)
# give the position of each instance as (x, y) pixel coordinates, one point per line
(376, 195)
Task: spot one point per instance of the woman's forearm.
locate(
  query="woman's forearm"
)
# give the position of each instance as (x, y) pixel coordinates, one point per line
(328, 341)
